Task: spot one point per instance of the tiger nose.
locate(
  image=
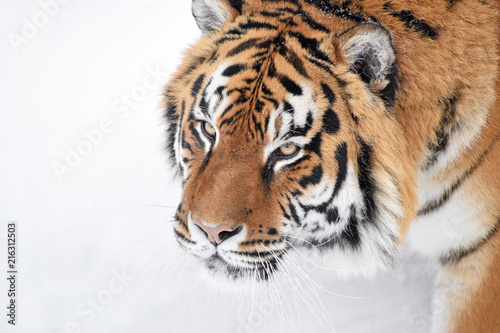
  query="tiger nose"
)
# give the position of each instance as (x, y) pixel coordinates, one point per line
(216, 234)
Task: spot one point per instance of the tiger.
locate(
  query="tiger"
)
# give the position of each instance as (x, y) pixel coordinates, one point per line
(350, 127)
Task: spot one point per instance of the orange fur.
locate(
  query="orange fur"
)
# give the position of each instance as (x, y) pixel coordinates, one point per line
(447, 55)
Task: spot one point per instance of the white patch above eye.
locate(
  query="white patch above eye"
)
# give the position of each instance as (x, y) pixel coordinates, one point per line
(295, 112)
(302, 105)
(215, 100)
(212, 97)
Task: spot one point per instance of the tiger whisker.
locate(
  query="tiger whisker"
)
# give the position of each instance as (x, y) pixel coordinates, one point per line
(288, 274)
(329, 268)
(320, 306)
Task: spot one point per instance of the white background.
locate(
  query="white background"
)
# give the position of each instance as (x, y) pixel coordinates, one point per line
(95, 247)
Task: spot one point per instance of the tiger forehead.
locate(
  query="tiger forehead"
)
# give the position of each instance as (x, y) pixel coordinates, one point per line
(262, 100)
(259, 77)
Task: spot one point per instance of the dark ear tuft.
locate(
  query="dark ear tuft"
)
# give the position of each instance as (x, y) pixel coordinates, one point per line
(210, 15)
(369, 50)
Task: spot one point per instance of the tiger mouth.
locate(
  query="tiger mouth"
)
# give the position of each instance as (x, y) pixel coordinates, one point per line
(258, 270)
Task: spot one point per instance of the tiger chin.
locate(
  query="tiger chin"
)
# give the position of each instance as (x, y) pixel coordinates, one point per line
(347, 128)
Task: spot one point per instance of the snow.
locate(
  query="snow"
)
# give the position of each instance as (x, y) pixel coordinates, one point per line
(84, 174)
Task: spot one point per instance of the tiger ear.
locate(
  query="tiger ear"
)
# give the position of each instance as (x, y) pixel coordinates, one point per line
(210, 15)
(369, 50)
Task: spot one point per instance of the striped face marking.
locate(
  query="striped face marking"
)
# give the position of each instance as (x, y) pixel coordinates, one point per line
(266, 146)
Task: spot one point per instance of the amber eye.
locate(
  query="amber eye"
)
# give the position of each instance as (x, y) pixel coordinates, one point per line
(208, 130)
(288, 149)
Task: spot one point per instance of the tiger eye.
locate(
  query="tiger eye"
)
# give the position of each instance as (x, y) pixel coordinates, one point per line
(209, 129)
(288, 149)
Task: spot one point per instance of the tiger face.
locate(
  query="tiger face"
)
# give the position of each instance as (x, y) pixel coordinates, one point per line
(284, 137)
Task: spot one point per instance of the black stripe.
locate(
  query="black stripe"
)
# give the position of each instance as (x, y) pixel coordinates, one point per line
(285, 214)
(259, 106)
(341, 158)
(242, 47)
(236, 4)
(257, 126)
(289, 22)
(314, 145)
(203, 105)
(388, 94)
(292, 58)
(331, 122)
(206, 159)
(268, 172)
(350, 235)
(182, 237)
(411, 22)
(293, 165)
(365, 178)
(228, 121)
(293, 212)
(446, 126)
(213, 57)
(311, 46)
(219, 91)
(327, 91)
(310, 22)
(226, 38)
(266, 123)
(454, 257)
(172, 117)
(253, 253)
(268, 43)
(234, 31)
(194, 132)
(233, 70)
(266, 90)
(349, 238)
(438, 203)
(185, 144)
(271, 69)
(197, 85)
(332, 215)
(250, 24)
(179, 220)
(271, 14)
(312, 179)
(290, 85)
(320, 65)
(275, 102)
(302, 131)
(288, 108)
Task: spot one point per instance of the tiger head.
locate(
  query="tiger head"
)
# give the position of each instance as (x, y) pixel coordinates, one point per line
(284, 135)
